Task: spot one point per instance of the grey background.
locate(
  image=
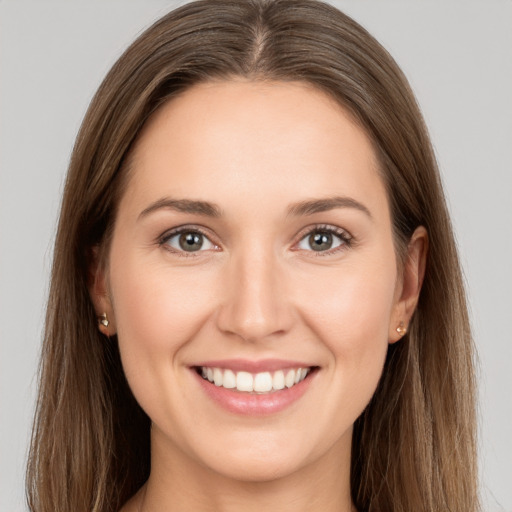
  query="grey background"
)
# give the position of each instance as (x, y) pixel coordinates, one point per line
(457, 55)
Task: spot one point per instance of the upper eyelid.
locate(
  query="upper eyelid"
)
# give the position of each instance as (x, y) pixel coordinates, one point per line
(302, 233)
(184, 229)
(326, 227)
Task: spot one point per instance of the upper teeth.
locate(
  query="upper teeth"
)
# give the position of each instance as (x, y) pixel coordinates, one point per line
(260, 382)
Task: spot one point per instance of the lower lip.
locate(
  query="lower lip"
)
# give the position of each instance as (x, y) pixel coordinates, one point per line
(255, 404)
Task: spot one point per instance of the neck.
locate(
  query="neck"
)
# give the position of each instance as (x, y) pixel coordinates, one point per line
(178, 482)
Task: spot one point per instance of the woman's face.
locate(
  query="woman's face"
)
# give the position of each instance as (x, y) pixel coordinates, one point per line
(253, 240)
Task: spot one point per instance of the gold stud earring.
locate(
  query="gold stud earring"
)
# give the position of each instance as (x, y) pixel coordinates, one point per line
(103, 320)
(401, 329)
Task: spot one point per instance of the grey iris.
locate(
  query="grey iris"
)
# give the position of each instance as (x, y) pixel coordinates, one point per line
(320, 241)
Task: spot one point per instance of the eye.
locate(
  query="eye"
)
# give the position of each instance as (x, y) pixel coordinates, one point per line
(187, 240)
(325, 239)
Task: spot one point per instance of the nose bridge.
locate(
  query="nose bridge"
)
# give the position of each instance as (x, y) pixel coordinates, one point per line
(255, 303)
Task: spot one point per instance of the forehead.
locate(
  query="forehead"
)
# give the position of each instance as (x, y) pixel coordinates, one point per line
(251, 142)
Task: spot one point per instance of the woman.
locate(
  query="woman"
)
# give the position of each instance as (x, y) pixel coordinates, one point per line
(250, 281)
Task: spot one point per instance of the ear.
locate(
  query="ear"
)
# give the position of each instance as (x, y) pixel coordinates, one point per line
(409, 284)
(99, 293)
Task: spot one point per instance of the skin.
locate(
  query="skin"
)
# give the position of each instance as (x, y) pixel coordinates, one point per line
(255, 290)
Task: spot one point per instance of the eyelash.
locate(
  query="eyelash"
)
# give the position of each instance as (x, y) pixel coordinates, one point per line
(345, 238)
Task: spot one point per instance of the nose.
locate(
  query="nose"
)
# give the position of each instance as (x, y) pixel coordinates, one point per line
(255, 305)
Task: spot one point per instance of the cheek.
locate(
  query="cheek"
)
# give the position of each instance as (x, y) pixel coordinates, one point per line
(352, 321)
(158, 309)
(350, 312)
(352, 305)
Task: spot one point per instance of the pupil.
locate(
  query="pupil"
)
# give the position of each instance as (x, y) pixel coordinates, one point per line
(321, 241)
(191, 241)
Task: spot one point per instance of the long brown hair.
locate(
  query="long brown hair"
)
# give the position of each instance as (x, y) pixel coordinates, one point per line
(414, 446)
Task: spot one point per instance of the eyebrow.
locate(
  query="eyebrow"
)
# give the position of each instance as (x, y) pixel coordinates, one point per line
(185, 206)
(302, 208)
(322, 205)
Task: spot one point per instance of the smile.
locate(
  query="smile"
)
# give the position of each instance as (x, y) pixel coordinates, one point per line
(262, 382)
(255, 388)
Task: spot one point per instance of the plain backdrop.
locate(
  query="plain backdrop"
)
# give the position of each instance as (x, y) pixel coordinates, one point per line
(458, 57)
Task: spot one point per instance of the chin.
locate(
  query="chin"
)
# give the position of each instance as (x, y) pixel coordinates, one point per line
(257, 470)
(267, 458)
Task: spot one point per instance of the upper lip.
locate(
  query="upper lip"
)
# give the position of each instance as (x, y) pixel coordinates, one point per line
(246, 365)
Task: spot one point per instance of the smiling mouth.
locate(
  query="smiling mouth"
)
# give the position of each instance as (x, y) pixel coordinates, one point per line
(254, 383)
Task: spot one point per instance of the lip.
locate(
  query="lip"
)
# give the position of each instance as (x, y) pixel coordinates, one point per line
(245, 365)
(248, 404)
